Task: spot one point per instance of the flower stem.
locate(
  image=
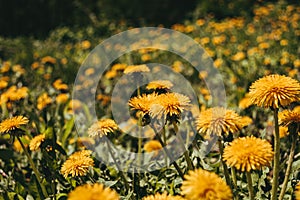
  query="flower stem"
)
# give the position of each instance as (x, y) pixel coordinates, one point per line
(289, 166)
(276, 157)
(225, 169)
(119, 169)
(250, 185)
(37, 174)
(186, 153)
(158, 136)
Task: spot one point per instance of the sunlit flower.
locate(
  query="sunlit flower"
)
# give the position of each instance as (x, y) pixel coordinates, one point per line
(142, 103)
(36, 142)
(59, 85)
(43, 100)
(78, 164)
(96, 191)
(12, 124)
(283, 131)
(171, 104)
(288, 117)
(274, 91)
(152, 145)
(74, 105)
(136, 68)
(163, 196)
(3, 84)
(102, 128)
(85, 44)
(202, 185)
(14, 94)
(297, 192)
(17, 145)
(84, 142)
(159, 84)
(248, 153)
(245, 102)
(218, 121)
(238, 56)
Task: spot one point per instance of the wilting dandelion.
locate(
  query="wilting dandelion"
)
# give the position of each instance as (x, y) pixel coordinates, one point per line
(78, 164)
(202, 185)
(93, 192)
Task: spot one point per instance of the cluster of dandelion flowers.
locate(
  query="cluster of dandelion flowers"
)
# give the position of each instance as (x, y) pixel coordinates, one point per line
(297, 191)
(201, 185)
(288, 117)
(36, 142)
(219, 121)
(274, 91)
(163, 196)
(102, 128)
(78, 164)
(93, 192)
(13, 124)
(248, 153)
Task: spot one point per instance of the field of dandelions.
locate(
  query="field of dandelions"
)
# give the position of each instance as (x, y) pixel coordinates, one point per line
(255, 152)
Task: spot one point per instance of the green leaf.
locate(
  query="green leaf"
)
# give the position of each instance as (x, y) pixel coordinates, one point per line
(67, 129)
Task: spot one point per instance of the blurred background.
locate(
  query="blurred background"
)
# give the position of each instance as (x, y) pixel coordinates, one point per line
(37, 17)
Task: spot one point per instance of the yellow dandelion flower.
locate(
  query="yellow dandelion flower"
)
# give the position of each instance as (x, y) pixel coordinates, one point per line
(84, 142)
(14, 94)
(202, 185)
(274, 91)
(159, 84)
(74, 105)
(152, 145)
(59, 85)
(43, 100)
(93, 192)
(36, 142)
(283, 131)
(78, 164)
(13, 123)
(288, 117)
(248, 153)
(171, 104)
(218, 121)
(102, 128)
(5, 67)
(245, 102)
(297, 192)
(3, 84)
(17, 145)
(163, 196)
(246, 121)
(136, 68)
(85, 44)
(238, 56)
(142, 103)
(48, 59)
(62, 98)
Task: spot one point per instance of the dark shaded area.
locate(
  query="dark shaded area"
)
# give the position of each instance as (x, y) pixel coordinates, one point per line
(37, 17)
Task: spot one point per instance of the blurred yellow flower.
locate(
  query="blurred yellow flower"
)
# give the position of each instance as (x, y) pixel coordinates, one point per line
(163, 196)
(102, 128)
(284, 42)
(238, 56)
(3, 84)
(96, 191)
(159, 84)
(288, 117)
(202, 185)
(136, 68)
(248, 153)
(218, 121)
(283, 131)
(85, 44)
(36, 142)
(78, 164)
(245, 102)
(62, 98)
(297, 191)
(18, 69)
(59, 85)
(152, 145)
(5, 67)
(13, 124)
(274, 91)
(48, 59)
(297, 63)
(43, 100)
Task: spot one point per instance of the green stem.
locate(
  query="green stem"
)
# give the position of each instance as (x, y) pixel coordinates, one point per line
(289, 166)
(115, 161)
(37, 174)
(276, 157)
(234, 180)
(250, 185)
(225, 168)
(158, 136)
(186, 153)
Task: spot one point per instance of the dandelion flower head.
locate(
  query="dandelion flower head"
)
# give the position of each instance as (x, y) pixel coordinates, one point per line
(102, 128)
(163, 196)
(12, 124)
